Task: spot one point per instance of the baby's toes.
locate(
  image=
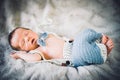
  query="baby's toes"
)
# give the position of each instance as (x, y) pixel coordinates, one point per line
(109, 45)
(104, 39)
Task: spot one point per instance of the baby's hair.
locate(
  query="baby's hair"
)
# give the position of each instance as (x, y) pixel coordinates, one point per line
(11, 34)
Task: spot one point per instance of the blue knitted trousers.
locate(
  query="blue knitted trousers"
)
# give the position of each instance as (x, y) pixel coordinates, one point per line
(85, 51)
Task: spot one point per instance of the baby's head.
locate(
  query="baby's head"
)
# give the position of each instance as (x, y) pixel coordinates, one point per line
(23, 39)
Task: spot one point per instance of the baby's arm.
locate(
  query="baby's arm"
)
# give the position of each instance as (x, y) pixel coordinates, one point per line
(25, 56)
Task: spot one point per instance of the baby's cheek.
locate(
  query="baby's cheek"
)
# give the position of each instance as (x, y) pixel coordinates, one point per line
(32, 47)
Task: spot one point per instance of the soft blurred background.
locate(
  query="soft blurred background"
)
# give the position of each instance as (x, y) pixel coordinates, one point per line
(66, 18)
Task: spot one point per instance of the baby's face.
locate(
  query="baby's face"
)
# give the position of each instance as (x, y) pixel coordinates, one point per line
(24, 39)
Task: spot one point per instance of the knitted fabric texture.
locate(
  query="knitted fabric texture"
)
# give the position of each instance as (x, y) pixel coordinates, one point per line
(67, 50)
(85, 51)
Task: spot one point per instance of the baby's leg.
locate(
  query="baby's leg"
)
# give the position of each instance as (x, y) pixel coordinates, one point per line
(108, 43)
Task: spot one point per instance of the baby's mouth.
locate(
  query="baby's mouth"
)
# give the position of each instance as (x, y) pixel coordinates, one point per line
(33, 41)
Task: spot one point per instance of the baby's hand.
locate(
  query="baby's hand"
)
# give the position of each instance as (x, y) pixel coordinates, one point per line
(15, 54)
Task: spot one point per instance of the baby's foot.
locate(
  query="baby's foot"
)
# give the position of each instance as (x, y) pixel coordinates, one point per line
(108, 43)
(104, 39)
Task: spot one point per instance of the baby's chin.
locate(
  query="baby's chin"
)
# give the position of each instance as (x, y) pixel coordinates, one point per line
(35, 47)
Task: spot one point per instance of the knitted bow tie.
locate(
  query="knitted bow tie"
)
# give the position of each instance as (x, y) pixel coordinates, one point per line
(42, 38)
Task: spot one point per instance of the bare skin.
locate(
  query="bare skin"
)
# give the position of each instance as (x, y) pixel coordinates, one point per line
(108, 42)
(24, 40)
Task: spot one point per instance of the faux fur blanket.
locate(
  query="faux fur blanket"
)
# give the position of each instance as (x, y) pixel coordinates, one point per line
(66, 18)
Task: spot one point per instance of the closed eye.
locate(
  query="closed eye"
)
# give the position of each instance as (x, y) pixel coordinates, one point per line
(26, 33)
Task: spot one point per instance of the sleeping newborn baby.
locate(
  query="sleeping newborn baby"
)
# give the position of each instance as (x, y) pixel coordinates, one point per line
(88, 47)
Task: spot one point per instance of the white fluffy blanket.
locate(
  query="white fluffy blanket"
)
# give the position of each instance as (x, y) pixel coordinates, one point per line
(66, 18)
